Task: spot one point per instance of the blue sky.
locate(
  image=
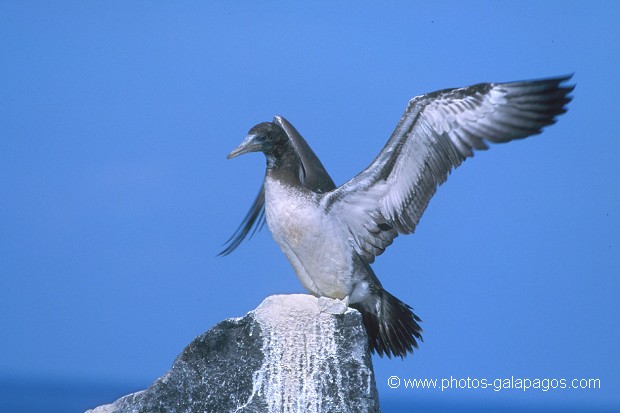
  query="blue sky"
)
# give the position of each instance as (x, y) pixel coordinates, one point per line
(115, 120)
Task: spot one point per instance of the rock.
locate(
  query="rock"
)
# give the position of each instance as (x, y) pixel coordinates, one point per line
(290, 354)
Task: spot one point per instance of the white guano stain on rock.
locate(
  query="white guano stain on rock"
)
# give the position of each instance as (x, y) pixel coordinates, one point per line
(301, 358)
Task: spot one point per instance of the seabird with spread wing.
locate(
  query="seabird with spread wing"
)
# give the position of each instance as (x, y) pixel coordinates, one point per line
(332, 234)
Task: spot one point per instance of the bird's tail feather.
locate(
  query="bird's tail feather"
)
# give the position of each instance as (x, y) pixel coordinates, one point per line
(392, 328)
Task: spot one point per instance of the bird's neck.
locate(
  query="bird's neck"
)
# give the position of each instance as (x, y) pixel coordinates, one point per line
(285, 165)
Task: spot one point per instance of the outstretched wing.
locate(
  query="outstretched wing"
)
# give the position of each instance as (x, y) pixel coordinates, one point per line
(437, 133)
(313, 176)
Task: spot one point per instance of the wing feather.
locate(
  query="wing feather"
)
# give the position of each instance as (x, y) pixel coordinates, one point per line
(437, 132)
(253, 221)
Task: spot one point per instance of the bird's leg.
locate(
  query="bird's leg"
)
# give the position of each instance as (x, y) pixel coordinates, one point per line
(333, 305)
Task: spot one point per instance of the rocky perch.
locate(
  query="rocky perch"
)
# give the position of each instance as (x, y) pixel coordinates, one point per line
(293, 353)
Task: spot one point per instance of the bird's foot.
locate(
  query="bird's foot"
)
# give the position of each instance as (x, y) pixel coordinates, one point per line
(333, 305)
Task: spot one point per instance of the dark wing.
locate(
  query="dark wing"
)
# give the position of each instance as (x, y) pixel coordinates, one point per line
(314, 177)
(313, 174)
(436, 134)
(254, 221)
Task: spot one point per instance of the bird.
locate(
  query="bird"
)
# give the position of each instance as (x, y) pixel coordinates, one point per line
(332, 234)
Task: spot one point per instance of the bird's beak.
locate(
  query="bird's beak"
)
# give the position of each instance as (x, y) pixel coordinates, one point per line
(248, 145)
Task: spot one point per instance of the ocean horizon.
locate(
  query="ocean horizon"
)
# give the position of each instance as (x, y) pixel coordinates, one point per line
(35, 395)
(42, 395)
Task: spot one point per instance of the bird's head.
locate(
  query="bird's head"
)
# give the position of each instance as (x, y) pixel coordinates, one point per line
(265, 137)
